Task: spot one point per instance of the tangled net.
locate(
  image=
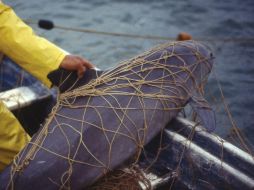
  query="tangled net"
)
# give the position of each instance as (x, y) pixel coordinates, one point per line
(130, 179)
(97, 127)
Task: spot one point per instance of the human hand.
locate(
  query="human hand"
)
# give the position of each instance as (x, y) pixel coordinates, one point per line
(76, 63)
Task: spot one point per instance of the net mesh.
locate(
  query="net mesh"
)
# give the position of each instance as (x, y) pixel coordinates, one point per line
(135, 94)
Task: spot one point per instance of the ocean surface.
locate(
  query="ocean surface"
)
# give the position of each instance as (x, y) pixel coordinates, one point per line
(213, 19)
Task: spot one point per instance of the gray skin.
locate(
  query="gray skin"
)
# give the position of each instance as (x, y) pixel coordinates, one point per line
(110, 149)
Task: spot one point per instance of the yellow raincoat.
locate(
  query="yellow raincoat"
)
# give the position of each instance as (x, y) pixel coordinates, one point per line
(34, 54)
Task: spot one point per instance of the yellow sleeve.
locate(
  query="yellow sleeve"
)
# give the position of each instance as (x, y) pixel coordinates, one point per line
(33, 53)
(12, 137)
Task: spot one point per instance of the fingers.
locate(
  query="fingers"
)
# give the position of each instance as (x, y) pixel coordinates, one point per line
(76, 63)
(85, 62)
(81, 70)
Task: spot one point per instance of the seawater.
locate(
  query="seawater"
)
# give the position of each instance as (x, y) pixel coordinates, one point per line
(234, 65)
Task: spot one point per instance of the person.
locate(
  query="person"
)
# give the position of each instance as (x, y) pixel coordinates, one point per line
(39, 57)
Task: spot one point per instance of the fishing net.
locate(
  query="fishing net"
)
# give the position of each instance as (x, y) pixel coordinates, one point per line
(97, 127)
(131, 179)
(124, 107)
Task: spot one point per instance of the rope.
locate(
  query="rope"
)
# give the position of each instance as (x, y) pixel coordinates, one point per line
(167, 71)
(148, 37)
(169, 90)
